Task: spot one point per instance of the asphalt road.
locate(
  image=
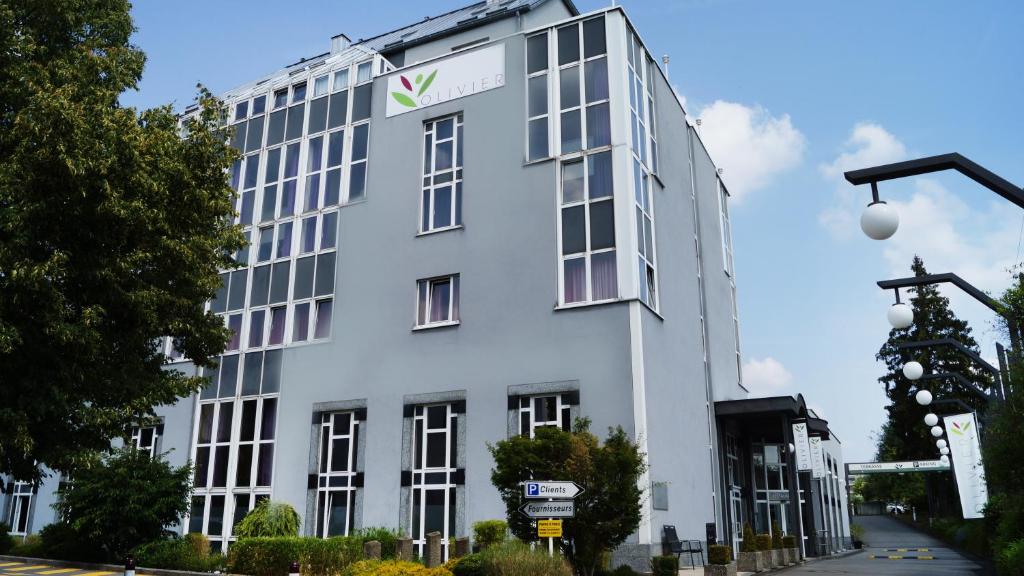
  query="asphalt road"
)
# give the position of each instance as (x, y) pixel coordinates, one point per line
(8, 568)
(893, 548)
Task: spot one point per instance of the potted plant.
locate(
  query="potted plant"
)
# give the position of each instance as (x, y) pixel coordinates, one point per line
(720, 561)
(749, 560)
(778, 555)
(792, 552)
(764, 550)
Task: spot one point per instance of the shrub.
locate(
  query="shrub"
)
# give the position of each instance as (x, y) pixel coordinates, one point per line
(61, 541)
(5, 538)
(665, 566)
(719, 555)
(776, 537)
(749, 543)
(30, 547)
(199, 542)
(387, 537)
(472, 565)
(1010, 560)
(393, 568)
(273, 556)
(269, 519)
(857, 531)
(764, 542)
(789, 541)
(513, 558)
(489, 532)
(174, 554)
(623, 571)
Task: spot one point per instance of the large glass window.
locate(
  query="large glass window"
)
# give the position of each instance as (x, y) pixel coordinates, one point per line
(584, 121)
(639, 73)
(20, 507)
(587, 225)
(546, 411)
(441, 203)
(537, 124)
(434, 457)
(336, 476)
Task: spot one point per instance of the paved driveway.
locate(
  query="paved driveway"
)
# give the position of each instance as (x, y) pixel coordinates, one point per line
(8, 568)
(893, 548)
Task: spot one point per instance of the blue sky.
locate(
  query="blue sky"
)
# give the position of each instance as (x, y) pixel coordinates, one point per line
(790, 94)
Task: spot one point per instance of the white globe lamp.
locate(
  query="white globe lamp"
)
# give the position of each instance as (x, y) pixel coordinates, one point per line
(944, 459)
(931, 419)
(901, 316)
(913, 370)
(923, 397)
(943, 451)
(879, 221)
(941, 443)
(937, 431)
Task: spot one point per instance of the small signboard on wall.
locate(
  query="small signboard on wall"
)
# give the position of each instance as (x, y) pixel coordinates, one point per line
(817, 457)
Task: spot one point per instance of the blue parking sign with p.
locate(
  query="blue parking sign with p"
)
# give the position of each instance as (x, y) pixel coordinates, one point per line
(532, 489)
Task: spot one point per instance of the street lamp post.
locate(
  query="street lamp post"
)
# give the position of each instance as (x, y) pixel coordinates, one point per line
(965, 351)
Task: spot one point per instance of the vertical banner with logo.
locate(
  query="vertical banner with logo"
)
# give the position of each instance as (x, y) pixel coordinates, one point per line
(817, 457)
(445, 80)
(962, 431)
(803, 449)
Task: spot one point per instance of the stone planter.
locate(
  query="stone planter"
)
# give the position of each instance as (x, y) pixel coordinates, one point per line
(779, 558)
(766, 559)
(794, 555)
(750, 562)
(720, 570)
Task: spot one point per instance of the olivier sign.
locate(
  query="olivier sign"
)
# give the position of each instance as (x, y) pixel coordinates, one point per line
(969, 472)
(803, 449)
(445, 80)
(817, 457)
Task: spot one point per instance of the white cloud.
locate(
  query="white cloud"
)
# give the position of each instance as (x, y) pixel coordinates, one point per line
(767, 377)
(751, 145)
(868, 145)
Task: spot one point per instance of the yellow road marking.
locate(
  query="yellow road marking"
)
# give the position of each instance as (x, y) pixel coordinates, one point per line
(60, 571)
(9, 563)
(926, 557)
(33, 567)
(96, 574)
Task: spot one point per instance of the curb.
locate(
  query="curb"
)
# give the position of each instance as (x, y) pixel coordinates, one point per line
(108, 567)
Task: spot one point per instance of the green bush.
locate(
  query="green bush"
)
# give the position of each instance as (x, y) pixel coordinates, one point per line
(776, 537)
(789, 541)
(623, 571)
(489, 532)
(387, 537)
(471, 565)
(30, 547)
(273, 556)
(177, 554)
(268, 520)
(513, 558)
(749, 543)
(764, 542)
(5, 538)
(665, 566)
(1010, 560)
(61, 541)
(719, 555)
(857, 531)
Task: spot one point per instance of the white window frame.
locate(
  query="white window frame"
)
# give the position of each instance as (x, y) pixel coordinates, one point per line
(528, 410)
(345, 478)
(21, 508)
(587, 254)
(726, 225)
(424, 306)
(421, 472)
(431, 175)
(139, 433)
(547, 115)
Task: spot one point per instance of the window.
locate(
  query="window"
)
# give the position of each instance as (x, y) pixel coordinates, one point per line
(583, 104)
(340, 79)
(320, 85)
(437, 302)
(537, 66)
(20, 505)
(639, 72)
(434, 461)
(644, 208)
(299, 92)
(144, 438)
(280, 98)
(548, 411)
(363, 72)
(336, 474)
(357, 166)
(441, 205)
(587, 230)
(723, 210)
(241, 110)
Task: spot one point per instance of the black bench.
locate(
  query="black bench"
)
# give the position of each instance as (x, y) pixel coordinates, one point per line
(679, 547)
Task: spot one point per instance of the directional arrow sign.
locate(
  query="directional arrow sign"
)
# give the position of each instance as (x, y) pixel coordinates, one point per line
(553, 509)
(560, 490)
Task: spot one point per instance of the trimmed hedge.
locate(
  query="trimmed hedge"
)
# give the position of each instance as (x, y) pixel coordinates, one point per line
(719, 555)
(190, 553)
(776, 537)
(393, 568)
(273, 556)
(764, 542)
(5, 538)
(387, 537)
(665, 566)
(749, 543)
(789, 541)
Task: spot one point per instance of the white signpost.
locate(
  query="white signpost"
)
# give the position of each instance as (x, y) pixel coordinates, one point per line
(962, 431)
(551, 490)
(803, 448)
(549, 509)
(817, 457)
(889, 467)
(557, 502)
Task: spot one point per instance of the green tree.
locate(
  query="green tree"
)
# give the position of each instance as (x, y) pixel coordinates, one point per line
(1002, 449)
(124, 499)
(112, 230)
(904, 435)
(608, 510)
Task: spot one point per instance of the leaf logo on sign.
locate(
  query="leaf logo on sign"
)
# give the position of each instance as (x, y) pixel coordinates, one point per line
(960, 430)
(421, 85)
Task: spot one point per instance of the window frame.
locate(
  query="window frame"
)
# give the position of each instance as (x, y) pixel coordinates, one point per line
(325, 492)
(429, 178)
(453, 317)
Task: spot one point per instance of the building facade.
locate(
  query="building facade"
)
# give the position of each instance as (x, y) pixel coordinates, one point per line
(486, 222)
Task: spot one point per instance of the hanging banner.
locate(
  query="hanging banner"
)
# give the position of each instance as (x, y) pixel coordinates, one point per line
(965, 450)
(803, 449)
(817, 457)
